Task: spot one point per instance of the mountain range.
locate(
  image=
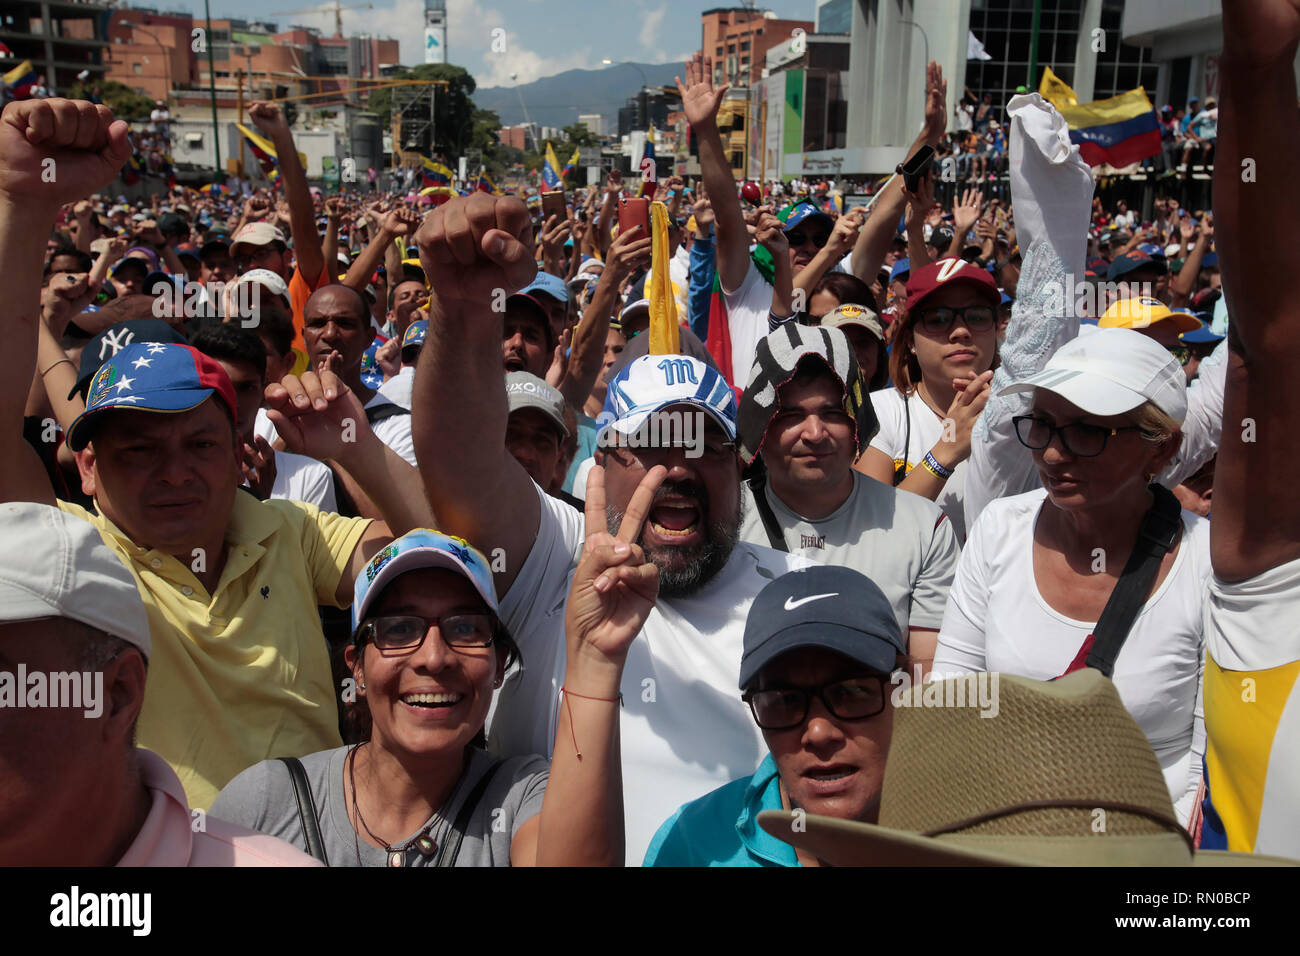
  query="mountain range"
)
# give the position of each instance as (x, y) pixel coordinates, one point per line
(558, 100)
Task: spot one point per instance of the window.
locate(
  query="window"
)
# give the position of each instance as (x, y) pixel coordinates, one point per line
(744, 46)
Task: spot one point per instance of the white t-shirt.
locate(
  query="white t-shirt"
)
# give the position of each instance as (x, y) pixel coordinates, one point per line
(398, 388)
(997, 621)
(899, 540)
(747, 310)
(684, 729)
(892, 410)
(299, 478)
(395, 431)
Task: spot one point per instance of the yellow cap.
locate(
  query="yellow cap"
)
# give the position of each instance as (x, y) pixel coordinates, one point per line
(1141, 312)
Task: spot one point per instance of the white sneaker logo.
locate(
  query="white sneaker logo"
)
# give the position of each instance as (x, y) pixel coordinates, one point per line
(791, 604)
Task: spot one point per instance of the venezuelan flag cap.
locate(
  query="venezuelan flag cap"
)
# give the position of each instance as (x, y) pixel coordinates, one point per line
(151, 377)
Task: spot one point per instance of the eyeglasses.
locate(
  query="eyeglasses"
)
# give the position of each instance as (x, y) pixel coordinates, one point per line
(1181, 353)
(978, 318)
(784, 708)
(711, 452)
(1079, 439)
(406, 632)
(797, 238)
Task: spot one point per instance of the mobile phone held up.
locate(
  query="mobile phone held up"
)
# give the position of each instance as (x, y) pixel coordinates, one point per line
(634, 212)
(917, 165)
(553, 205)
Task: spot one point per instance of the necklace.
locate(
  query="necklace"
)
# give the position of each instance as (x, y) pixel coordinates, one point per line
(397, 855)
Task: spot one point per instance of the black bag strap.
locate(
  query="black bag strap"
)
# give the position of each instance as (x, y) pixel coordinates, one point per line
(900, 471)
(377, 413)
(1156, 537)
(774, 534)
(451, 845)
(306, 808)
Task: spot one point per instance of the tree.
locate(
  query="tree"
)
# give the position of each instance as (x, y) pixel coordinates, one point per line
(579, 135)
(453, 108)
(125, 102)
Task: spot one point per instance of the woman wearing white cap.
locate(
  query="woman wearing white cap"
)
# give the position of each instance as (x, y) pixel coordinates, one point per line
(428, 652)
(1066, 576)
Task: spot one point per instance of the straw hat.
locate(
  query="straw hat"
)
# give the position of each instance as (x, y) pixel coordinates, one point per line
(1059, 774)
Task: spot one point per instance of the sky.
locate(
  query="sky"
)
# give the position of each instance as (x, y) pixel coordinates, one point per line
(541, 37)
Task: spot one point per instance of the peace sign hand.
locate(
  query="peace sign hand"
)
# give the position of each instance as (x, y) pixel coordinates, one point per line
(615, 585)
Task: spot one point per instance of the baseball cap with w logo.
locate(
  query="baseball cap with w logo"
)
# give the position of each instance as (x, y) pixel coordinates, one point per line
(947, 273)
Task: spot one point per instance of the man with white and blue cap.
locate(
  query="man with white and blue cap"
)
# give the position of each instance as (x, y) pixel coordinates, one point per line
(669, 424)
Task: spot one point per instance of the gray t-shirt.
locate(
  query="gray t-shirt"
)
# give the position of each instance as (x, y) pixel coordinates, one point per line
(901, 541)
(262, 798)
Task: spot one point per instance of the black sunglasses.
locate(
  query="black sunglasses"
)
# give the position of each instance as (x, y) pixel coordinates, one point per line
(1079, 439)
(784, 708)
(978, 318)
(797, 238)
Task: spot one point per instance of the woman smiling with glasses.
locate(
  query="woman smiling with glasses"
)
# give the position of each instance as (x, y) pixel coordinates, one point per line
(427, 654)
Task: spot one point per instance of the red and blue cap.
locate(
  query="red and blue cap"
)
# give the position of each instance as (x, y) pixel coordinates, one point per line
(151, 377)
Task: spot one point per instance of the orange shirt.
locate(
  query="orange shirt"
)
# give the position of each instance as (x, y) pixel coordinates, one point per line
(299, 293)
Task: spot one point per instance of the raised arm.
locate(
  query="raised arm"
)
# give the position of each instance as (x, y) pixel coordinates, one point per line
(400, 222)
(700, 102)
(85, 147)
(476, 250)
(302, 219)
(1257, 220)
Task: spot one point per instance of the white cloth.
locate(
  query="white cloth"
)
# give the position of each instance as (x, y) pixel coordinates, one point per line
(892, 411)
(297, 477)
(899, 540)
(748, 307)
(684, 729)
(395, 432)
(998, 621)
(1203, 426)
(398, 388)
(1051, 190)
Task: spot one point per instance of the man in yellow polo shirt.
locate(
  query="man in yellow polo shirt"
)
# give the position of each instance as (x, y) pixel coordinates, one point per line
(240, 669)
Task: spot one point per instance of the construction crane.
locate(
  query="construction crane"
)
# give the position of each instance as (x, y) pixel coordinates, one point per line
(335, 6)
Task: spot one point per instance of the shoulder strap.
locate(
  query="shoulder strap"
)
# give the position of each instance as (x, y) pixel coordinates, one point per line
(306, 808)
(774, 534)
(900, 471)
(451, 846)
(377, 413)
(1156, 537)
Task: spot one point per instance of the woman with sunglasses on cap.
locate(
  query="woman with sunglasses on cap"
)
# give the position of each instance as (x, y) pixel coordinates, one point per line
(944, 347)
(428, 651)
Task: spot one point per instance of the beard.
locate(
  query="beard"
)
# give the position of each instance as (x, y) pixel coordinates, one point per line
(685, 570)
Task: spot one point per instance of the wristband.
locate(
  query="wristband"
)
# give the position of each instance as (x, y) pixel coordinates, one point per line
(931, 464)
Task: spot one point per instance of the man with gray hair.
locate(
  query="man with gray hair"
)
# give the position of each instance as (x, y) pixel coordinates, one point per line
(74, 652)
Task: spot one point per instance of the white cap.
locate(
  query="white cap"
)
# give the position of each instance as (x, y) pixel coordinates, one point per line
(1111, 372)
(56, 565)
(265, 277)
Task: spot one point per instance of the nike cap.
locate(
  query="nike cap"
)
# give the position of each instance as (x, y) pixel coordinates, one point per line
(826, 606)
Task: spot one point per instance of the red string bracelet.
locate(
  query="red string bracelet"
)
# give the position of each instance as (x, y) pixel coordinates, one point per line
(567, 694)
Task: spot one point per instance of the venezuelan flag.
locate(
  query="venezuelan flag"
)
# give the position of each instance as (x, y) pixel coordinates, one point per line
(486, 185)
(551, 172)
(1119, 131)
(264, 151)
(571, 165)
(212, 189)
(20, 80)
(435, 174)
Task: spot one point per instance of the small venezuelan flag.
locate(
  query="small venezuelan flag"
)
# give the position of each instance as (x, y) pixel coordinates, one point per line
(1119, 131)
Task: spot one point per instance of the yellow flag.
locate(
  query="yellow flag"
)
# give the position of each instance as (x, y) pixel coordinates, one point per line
(664, 339)
(1055, 90)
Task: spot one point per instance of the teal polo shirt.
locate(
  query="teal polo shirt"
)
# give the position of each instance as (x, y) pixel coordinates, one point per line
(721, 828)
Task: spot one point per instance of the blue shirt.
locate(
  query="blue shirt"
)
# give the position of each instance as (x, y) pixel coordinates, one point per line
(721, 828)
(587, 431)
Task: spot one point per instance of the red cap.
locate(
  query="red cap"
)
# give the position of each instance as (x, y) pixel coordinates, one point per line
(947, 273)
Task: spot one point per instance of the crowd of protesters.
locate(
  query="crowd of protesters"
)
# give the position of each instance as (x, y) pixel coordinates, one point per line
(387, 531)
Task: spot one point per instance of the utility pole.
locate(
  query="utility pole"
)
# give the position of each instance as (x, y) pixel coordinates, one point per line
(212, 89)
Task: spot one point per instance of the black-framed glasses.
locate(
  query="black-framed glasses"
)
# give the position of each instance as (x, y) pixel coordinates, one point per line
(406, 632)
(784, 708)
(978, 318)
(1079, 439)
(797, 238)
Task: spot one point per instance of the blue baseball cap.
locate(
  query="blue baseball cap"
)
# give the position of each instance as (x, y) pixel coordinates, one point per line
(799, 213)
(151, 377)
(547, 284)
(1132, 261)
(1203, 335)
(421, 548)
(1152, 250)
(828, 606)
(1209, 260)
(415, 334)
(652, 383)
(902, 269)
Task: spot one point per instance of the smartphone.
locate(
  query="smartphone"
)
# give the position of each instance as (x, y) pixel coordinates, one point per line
(916, 166)
(553, 205)
(634, 212)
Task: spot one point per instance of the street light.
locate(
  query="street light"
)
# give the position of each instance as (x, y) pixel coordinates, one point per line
(528, 123)
(641, 98)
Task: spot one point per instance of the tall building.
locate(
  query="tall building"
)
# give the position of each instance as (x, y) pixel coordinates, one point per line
(59, 38)
(594, 122)
(738, 38)
(435, 31)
